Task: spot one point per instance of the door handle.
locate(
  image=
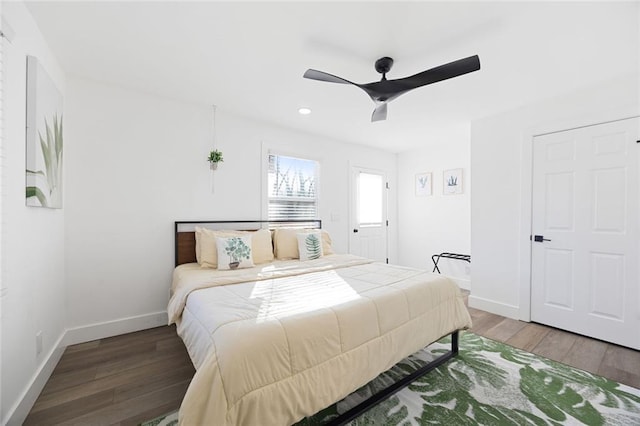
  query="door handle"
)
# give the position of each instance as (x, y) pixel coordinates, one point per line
(355, 230)
(539, 238)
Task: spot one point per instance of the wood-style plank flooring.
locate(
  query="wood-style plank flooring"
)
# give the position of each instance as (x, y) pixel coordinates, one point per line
(121, 380)
(126, 379)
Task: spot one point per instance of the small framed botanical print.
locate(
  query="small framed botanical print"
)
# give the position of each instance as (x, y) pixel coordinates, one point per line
(423, 184)
(452, 182)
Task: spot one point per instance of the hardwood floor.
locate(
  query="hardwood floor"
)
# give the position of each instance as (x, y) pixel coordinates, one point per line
(121, 380)
(127, 379)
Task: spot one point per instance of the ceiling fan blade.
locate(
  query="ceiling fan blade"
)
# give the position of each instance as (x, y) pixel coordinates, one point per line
(380, 113)
(443, 72)
(384, 91)
(323, 76)
(388, 90)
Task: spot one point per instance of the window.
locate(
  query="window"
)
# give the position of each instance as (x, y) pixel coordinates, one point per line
(370, 199)
(292, 188)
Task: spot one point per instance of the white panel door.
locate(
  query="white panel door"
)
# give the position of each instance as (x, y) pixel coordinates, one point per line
(585, 224)
(368, 236)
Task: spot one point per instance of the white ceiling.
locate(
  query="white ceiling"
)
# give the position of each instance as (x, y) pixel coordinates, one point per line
(248, 58)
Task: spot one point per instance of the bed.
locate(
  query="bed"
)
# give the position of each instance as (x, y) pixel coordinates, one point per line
(283, 338)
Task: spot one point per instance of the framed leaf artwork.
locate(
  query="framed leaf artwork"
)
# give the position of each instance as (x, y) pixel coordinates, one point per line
(452, 182)
(44, 138)
(424, 184)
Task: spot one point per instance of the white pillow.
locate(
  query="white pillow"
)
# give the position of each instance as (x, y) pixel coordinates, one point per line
(309, 245)
(285, 243)
(234, 252)
(326, 243)
(198, 232)
(261, 246)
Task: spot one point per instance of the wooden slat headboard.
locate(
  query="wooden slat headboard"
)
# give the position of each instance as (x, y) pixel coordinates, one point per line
(185, 238)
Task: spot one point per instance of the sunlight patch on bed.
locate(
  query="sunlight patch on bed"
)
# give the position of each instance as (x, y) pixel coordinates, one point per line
(283, 267)
(291, 295)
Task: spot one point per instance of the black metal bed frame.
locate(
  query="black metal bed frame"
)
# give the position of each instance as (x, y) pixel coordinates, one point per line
(365, 405)
(376, 398)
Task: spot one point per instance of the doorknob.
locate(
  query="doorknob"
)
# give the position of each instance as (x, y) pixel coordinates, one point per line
(540, 238)
(355, 230)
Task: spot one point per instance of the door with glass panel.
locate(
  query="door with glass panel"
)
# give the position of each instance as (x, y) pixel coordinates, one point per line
(368, 233)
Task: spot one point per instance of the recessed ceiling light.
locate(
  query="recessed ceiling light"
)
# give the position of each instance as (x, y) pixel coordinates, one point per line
(304, 111)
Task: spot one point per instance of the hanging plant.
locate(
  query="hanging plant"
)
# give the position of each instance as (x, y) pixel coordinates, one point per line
(214, 158)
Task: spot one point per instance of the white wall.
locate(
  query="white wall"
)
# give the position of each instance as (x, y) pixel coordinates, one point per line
(33, 294)
(501, 176)
(501, 165)
(436, 223)
(136, 163)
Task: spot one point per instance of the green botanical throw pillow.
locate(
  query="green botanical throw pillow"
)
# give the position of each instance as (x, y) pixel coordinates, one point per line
(234, 252)
(310, 245)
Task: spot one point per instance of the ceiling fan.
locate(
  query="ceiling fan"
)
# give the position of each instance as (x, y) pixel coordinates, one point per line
(384, 91)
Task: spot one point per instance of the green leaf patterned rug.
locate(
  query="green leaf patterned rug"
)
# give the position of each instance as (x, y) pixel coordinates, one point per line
(168, 420)
(488, 383)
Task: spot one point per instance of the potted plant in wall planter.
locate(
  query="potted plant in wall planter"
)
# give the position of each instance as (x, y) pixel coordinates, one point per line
(214, 158)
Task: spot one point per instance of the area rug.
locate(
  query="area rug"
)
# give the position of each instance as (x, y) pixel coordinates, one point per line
(168, 420)
(488, 383)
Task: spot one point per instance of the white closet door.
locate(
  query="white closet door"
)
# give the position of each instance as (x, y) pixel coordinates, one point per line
(585, 218)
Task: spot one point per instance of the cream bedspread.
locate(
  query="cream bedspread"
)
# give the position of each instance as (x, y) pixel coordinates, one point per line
(275, 343)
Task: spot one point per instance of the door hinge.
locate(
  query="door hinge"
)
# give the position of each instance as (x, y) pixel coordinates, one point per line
(387, 223)
(387, 260)
(387, 185)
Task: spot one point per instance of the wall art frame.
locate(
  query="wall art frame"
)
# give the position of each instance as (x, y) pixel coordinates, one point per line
(452, 182)
(44, 141)
(424, 184)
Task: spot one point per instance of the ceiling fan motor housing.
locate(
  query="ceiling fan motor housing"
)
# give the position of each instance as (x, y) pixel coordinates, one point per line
(383, 65)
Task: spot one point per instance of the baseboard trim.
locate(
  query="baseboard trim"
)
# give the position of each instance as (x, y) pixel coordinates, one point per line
(102, 330)
(72, 336)
(19, 412)
(498, 308)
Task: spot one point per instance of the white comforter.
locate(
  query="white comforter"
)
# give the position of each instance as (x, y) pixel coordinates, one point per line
(275, 343)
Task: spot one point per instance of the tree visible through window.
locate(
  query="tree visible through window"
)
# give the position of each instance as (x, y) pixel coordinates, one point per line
(292, 188)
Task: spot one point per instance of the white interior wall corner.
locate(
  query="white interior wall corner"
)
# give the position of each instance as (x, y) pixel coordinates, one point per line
(438, 223)
(32, 294)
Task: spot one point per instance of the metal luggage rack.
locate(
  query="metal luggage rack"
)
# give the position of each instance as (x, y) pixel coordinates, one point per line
(436, 258)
